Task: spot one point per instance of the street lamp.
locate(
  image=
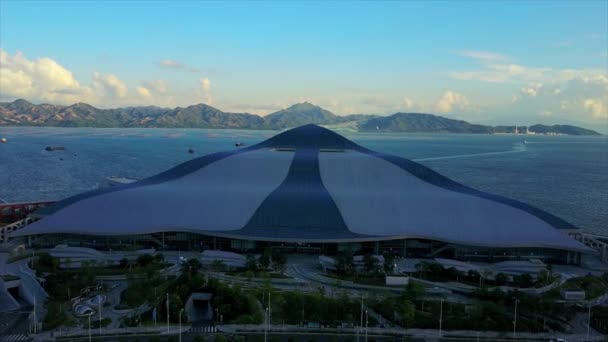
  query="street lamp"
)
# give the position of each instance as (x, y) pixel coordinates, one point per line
(35, 319)
(180, 324)
(99, 316)
(440, 315)
(515, 318)
(266, 325)
(360, 319)
(366, 321)
(589, 321)
(168, 330)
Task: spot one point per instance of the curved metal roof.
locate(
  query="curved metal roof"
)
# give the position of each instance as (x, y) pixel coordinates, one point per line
(307, 184)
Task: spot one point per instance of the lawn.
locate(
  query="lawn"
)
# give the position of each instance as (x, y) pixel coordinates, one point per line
(359, 279)
(593, 286)
(249, 274)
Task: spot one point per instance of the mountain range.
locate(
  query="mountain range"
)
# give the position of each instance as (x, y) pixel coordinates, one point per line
(23, 113)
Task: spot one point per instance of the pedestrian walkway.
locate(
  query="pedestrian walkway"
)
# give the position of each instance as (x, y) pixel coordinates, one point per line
(207, 329)
(14, 338)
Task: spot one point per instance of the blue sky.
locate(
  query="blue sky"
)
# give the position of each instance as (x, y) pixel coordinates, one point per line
(494, 62)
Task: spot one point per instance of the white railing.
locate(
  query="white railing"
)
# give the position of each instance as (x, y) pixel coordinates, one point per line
(9, 228)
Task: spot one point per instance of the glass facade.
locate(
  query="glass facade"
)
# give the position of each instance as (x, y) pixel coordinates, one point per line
(413, 248)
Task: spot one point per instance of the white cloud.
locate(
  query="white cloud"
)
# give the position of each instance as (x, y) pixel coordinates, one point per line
(484, 56)
(502, 73)
(109, 85)
(492, 72)
(42, 79)
(143, 92)
(205, 84)
(177, 66)
(494, 68)
(205, 89)
(170, 64)
(158, 86)
(407, 104)
(451, 101)
(532, 89)
(45, 80)
(582, 98)
(597, 107)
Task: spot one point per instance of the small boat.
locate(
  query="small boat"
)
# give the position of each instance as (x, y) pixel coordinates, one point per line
(3, 140)
(239, 144)
(116, 180)
(190, 150)
(55, 148)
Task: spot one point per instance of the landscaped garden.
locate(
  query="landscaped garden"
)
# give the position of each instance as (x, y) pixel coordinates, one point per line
(63, 284)
(592, 285)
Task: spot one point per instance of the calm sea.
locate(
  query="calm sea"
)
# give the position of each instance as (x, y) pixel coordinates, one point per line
(564, 175)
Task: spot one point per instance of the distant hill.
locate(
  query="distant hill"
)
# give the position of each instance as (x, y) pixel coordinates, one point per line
(299, 114)
(563, 129)
(418, 122)
(23, 113)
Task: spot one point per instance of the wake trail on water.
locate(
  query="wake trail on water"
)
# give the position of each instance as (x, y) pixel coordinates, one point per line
(517, 148)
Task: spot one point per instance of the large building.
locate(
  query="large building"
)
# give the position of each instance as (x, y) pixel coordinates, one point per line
(307, 190)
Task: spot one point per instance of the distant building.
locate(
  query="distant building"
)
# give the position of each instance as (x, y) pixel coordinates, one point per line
(573, 294)
(307, 189)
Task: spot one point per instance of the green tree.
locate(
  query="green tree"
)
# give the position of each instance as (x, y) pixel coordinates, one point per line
(251, 264)
(523, 280)
(218, 265)
(46, 260)
(191, 267)
(501, 278)
(67, 262)
(550, 270)
(220, 338)
(370, 263)
(428, 270)
(159, 258)
(485, 274)
(413, 291)
(345, 264)
(266, 258)
(473, 275)
(145, 260)
(406, 311)
(543, 277)
(279, 260)
(389, 263)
